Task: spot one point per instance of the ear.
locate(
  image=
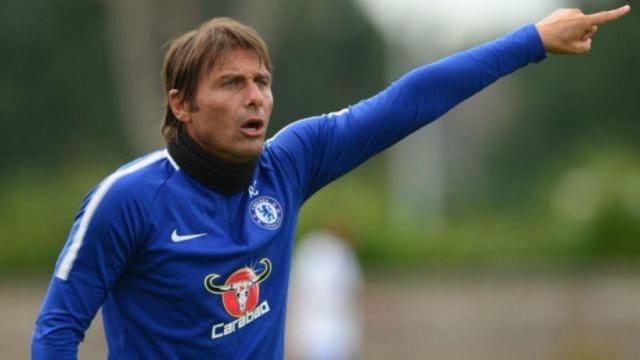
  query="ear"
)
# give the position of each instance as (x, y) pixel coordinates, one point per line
(180, 108)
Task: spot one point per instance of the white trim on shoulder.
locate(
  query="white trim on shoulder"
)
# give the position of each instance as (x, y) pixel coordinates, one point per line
(78, 238)
(171, 160)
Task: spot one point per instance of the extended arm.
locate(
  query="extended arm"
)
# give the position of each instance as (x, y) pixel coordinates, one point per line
(317, 150)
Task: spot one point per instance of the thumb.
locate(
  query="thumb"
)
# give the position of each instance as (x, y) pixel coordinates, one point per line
(589, 33)
(584, 46)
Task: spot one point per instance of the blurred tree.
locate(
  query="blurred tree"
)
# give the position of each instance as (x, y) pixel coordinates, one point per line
(56, 89)
(613, 234)
(566, 104)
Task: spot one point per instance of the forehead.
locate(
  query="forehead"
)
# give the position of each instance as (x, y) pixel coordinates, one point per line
(237, 60)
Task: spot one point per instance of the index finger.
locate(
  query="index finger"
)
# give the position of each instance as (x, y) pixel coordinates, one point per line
(604, 17)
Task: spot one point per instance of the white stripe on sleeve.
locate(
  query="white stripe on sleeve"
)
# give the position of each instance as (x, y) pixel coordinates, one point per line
(78, 238)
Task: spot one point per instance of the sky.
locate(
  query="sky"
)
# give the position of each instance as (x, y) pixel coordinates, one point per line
(448, 25)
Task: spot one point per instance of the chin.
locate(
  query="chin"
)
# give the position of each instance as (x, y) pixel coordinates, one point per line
(253, 150)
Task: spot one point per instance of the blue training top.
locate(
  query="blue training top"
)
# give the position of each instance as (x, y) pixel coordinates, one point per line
(184, 272)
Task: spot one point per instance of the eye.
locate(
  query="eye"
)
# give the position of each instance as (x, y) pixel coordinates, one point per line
(233, 82)
(262, 82)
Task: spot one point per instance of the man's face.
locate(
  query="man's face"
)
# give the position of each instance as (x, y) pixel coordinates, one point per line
(233, 103)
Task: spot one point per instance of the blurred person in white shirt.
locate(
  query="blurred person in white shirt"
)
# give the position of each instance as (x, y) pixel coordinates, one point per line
(324, 320)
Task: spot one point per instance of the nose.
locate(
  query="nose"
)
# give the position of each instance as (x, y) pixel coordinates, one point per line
(255, 97)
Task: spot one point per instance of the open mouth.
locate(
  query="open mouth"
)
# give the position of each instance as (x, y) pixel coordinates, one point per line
(253, 127)
(253, 124)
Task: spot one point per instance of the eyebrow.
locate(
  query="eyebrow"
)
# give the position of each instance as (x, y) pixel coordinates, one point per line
(234, 75)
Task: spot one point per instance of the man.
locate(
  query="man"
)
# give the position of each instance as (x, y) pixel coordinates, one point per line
(323, 312)
(187, 250)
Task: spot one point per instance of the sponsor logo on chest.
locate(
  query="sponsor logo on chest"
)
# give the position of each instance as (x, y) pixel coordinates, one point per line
(240, 297)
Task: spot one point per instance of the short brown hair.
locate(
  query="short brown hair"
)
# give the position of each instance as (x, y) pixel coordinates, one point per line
(189, 53)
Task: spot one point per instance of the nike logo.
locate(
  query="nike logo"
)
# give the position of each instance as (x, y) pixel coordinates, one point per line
(178, 238)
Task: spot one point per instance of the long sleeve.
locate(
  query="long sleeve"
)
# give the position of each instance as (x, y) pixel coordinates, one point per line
(317, 150)
(101, 242)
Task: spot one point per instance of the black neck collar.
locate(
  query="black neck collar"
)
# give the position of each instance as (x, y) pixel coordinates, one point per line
(216, 174)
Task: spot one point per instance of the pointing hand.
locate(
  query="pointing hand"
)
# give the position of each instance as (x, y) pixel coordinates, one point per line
(569, 31)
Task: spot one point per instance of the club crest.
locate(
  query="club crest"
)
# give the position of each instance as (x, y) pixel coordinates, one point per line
(266, 212)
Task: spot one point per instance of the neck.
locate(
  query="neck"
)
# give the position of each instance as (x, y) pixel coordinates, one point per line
(222, 176)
